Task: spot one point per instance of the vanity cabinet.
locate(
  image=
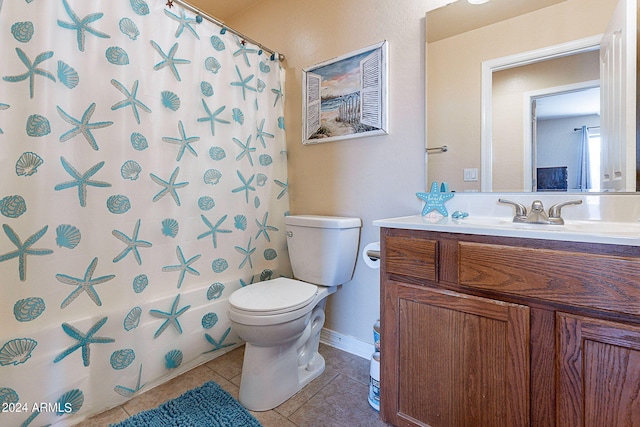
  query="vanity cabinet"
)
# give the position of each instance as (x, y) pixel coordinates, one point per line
(502, 331)
(599, 372)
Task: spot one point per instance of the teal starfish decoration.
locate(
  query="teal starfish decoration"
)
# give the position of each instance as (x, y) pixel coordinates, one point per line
(170, 186)
(217, 345)
(263, 228)
(81, 180)
(435, 200)
(32, 70)
(82, 126)
(24, 249)
(279, 95)
(261, 134)
(171, 316)
(184, 22)
(128, 392)
(36, 411)
(184, 267)
(285, 188)
(184, 142)
(243, 283)
(81, 26)
(3, 107)
(212, 117)
(85, 284)
(244, 84)
(168, 60)
(213, 229)
(246, 149)
(84, 340)
(132, 244)
(247, 254)
(130, 99)
(246, 185)
(243, 50)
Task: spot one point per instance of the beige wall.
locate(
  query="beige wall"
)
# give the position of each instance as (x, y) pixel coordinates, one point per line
(370, 178)
(454, 76)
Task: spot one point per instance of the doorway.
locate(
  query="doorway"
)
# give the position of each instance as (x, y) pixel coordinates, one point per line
(556, 118)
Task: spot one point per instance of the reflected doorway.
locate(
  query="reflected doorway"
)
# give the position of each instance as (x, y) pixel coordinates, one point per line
(564, 124)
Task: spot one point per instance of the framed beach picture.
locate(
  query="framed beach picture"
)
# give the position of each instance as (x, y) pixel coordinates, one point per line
(346, 97)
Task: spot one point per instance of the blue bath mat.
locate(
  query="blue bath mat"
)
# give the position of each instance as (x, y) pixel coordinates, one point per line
(206, 406)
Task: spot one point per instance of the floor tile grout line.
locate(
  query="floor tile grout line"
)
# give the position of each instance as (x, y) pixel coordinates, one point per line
(310, 397)
(125, 411)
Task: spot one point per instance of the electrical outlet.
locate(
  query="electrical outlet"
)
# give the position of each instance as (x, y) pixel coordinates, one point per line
(471, 174)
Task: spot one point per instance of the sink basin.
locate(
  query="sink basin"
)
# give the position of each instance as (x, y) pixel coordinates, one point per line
(570, 226)
(601, 227)
(627, 233)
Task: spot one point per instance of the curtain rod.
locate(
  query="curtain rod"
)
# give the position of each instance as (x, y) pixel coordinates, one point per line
(588, 127)
(210, 18)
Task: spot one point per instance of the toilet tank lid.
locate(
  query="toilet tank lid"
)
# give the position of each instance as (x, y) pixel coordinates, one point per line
(320, 221)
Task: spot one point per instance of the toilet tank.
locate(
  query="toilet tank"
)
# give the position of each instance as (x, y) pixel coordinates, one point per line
(323, 249)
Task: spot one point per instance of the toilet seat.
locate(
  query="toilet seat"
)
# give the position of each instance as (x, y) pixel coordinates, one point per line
(277, 296)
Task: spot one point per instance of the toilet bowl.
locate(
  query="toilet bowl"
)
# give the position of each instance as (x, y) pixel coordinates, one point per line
(278, 340)
(280, 320)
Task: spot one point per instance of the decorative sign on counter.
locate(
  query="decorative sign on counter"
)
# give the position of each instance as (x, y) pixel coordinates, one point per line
(435, 200)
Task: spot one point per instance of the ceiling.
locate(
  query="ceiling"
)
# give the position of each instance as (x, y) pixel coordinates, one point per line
(577, 103)
(458, 17)
(222, 10)
(454, 17)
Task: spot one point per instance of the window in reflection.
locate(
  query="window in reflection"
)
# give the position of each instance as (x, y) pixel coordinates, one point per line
(594, 158)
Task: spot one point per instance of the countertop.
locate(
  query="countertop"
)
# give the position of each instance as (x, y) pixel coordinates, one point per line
(615, 233)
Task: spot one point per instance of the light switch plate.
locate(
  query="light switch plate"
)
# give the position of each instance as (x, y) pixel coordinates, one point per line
(471, 174)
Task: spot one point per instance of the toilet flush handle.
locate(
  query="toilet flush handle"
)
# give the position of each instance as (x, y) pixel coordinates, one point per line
(289, 233)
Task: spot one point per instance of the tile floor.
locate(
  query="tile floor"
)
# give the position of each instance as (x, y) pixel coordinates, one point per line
(337, 398)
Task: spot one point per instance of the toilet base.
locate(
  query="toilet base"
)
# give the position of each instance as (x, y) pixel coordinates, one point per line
(291, 366)
(306, 375)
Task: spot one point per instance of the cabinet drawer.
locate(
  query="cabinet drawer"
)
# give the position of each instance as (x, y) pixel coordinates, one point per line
(413, 257)
(596, 281)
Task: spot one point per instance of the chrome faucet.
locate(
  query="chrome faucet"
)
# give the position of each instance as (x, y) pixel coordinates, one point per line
(537, 215)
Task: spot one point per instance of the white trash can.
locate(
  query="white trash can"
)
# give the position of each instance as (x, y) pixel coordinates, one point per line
(374, 382)
(376, 335)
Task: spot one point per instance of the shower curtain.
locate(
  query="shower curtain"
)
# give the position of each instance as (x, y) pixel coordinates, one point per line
(143, 180)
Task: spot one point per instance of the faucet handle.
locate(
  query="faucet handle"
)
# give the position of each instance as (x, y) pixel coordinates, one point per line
(555, 210)
(521, 210)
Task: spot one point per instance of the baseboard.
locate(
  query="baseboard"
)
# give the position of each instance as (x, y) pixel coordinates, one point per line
(346, 343)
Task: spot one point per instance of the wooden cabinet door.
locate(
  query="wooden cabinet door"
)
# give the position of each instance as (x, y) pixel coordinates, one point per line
(599, 373)
(462, 360)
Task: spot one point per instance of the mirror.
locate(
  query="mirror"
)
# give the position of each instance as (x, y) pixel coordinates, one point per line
(456, 115)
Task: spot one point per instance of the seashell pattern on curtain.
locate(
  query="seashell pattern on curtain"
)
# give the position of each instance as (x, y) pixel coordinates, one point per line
(143, 179)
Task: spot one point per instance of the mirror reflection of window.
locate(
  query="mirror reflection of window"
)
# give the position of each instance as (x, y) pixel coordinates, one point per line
(594, 158)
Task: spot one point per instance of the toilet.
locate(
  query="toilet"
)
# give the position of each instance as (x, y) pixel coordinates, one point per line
(280, 319)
